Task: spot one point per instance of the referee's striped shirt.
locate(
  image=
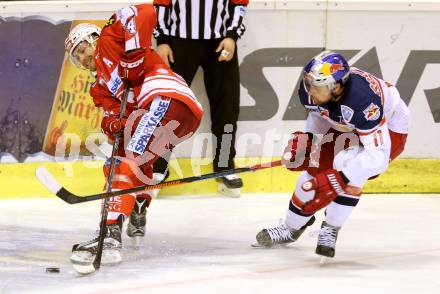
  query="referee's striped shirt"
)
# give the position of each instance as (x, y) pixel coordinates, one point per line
(199, 19)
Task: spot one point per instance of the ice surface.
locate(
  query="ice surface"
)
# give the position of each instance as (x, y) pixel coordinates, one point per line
(391, 244)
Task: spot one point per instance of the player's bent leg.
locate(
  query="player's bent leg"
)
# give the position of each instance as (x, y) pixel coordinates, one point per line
(177, 125)
(294, 224)
(138, 217)
(336, 215)
(134, 206)
(281, 234)
(124, 178)
(338, 211)
(120, 207)
(327, 240)
(85, 252)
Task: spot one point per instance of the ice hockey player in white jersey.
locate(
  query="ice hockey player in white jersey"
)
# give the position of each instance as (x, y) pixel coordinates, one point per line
(356, 124)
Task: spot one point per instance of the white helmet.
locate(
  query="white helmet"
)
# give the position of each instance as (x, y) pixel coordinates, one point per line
(82, 32)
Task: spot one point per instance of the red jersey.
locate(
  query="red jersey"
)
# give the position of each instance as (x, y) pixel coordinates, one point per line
(131, 28)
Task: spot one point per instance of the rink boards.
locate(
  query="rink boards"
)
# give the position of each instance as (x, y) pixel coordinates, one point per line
(400, 45)
(85, 177)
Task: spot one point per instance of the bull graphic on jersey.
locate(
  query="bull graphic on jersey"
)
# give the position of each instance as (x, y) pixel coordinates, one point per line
(372, 112)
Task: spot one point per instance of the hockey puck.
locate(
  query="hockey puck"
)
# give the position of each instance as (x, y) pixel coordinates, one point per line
(52, 269)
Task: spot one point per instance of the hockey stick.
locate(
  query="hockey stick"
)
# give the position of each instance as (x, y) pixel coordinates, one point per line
(52, 185)
(105, 205)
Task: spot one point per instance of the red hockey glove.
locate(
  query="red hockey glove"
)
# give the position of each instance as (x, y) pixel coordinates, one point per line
(112, 125)
(296, 154)
(327, 185)
(132, 66)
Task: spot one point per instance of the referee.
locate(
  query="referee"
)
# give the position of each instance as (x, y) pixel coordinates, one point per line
(193, 33)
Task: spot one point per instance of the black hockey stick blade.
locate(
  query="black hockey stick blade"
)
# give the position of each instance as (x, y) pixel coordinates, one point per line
(53, 186)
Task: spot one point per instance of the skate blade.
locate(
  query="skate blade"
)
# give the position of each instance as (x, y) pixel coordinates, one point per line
(274, 246)
(136, 242)
(82, 261)
(84, 269)
(323, 260)
(233, 193)
(256, 245)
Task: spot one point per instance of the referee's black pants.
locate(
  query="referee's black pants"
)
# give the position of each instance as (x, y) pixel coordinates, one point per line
(222, 83)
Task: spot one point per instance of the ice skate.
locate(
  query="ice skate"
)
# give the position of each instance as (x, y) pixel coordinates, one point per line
(137, 221)
(230, 185)
(280, 234)
(327, 241)
(83, 254)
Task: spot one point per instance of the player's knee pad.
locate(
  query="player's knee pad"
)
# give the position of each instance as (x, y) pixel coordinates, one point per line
(300, 196)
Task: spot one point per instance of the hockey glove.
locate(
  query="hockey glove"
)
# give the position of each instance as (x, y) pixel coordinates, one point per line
(112, 125)
(297, 152)
(327, 186)
(132, 66)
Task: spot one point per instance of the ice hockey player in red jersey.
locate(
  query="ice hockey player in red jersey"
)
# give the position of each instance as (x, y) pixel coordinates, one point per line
(356, 124)
(161, 112)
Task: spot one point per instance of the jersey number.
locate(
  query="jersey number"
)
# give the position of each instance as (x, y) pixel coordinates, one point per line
(378, 138)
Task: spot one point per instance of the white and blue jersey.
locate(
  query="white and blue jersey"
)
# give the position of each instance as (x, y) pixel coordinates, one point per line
(369, 107)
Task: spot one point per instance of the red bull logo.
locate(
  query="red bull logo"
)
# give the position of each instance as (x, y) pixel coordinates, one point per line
(336, 67)
(328, 68)
(372, 112)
